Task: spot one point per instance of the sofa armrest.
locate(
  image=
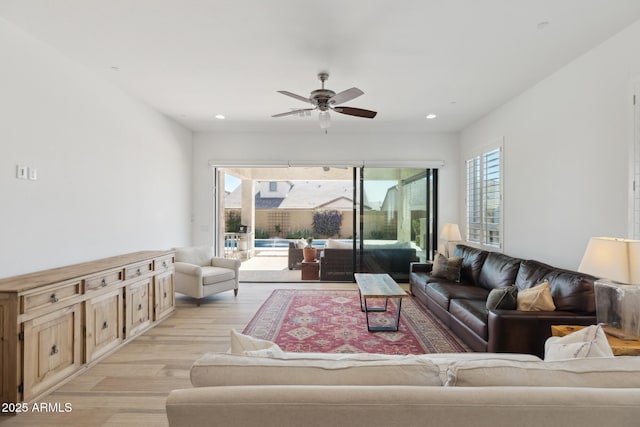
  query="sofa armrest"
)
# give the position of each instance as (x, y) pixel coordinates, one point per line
(189, 269)
(421, 267)
(233, 264)
(513, 331)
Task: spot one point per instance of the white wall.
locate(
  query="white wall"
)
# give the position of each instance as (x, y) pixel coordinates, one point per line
(113, 175)
(317, 147)
(566, 153)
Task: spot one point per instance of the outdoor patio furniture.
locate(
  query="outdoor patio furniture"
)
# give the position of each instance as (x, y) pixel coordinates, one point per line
(296, 257)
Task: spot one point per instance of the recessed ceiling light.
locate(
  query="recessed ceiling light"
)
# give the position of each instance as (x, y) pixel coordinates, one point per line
(542, 25)
(431, 116)
(220, 117)
(114, 68)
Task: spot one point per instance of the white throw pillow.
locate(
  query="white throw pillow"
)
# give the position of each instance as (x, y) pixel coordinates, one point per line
(245, 344)
(587, 342)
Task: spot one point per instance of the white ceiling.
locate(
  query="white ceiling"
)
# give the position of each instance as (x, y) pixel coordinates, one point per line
(193, 59)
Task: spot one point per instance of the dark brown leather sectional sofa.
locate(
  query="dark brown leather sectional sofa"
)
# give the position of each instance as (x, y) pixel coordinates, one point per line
(462, 305)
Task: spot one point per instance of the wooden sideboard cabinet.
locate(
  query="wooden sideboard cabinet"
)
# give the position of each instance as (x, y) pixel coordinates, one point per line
(55, 323)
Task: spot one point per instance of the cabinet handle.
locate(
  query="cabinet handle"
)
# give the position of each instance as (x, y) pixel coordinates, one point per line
(103, 283)
(165, 294)
(54, 298)
(139, 307)
(105, 325)
(54, 350)
(164, 264)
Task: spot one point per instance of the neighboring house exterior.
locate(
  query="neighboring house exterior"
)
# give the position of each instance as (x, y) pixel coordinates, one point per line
(285, 208)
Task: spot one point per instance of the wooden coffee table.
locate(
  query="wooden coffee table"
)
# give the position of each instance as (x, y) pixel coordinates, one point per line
(379, 286)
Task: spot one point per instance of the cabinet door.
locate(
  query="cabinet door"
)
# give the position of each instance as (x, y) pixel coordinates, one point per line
(138, 306)
(104, 319)
(164, 295)
(52, 349)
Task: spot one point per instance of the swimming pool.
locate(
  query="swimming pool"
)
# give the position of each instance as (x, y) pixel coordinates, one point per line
(283, 243)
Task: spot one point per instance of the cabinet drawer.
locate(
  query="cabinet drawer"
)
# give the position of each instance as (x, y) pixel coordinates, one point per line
(137, 270)
(163, 263)
(50, 296)
(104, 279)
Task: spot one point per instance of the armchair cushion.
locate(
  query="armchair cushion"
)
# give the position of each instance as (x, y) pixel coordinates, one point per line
(211, 275)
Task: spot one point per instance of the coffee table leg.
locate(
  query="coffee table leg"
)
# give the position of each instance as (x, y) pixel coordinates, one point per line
(372, 309)
(382, 328)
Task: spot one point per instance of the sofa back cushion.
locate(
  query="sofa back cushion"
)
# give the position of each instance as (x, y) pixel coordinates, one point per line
(603, 372)
(498, 271)
(472, 260)
(571, 291)
(225, 369)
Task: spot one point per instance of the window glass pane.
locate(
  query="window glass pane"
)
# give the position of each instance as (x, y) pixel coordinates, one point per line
(484, 198)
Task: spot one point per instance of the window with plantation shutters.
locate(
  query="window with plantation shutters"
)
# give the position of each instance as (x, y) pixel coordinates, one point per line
(484, 198)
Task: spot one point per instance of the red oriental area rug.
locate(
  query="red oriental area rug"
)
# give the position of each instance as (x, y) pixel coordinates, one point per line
(330, 321)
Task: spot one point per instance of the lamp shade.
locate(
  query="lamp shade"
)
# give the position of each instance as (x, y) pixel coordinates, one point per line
(613, 259)
(450, 233)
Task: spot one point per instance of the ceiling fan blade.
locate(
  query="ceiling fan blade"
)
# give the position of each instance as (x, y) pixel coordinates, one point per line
(293, 95)
(359, 112)
(345, 95)
(292, 112)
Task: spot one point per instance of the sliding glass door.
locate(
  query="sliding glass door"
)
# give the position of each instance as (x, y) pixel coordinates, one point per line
(373, 220)
(397, 215)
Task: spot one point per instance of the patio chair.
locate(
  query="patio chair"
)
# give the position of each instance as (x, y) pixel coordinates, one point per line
(200, 274)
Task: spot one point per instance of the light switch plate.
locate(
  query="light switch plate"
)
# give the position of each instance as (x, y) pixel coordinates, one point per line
(33, 174)
(21, 172)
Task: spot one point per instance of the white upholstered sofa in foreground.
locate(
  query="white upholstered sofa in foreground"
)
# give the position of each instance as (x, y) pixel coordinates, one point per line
(200, 274)
(264, 387)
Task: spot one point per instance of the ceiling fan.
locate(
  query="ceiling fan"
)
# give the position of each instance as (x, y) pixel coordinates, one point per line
(325, 100)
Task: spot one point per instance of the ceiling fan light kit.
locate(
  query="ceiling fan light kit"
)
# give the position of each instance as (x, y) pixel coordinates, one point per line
(326, 100)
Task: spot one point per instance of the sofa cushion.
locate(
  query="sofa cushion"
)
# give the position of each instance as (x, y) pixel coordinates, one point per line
(532, 273)
(498, 271)
(225, 369)
(337, 244)
(586, 342)
(605, 372)
(537, 298)
(472, 260)
(213, 275)
(502, 298)
(442, 292)
(447, 268)
(473, 313)
(572, 291)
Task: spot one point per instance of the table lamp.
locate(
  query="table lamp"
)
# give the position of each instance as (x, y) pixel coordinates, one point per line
(450, 233)
(617, 263)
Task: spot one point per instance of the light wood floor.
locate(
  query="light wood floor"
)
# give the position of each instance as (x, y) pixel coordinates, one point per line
(129, 387)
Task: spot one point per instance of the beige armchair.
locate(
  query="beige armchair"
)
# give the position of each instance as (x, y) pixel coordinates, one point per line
(200, 274)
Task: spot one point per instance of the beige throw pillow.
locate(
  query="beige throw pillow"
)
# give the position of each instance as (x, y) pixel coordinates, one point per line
(537, 298)
(447, 268)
